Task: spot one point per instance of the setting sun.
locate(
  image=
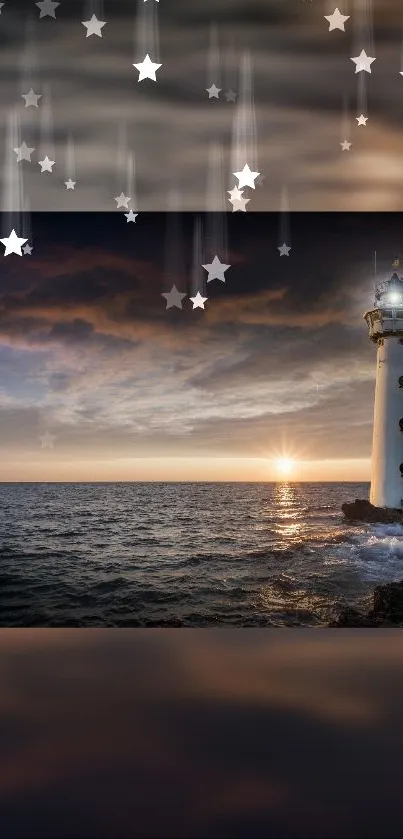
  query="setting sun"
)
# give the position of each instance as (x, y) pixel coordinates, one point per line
(285, 466)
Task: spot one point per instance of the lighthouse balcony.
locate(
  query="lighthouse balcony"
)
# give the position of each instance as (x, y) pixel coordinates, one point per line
(383, 322)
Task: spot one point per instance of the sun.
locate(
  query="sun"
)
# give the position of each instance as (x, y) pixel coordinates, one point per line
(285, 466)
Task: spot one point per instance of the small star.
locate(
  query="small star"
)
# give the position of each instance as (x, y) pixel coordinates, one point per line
(239, 204)
(47, 7)
(213, 91)
(235, 193)
(216, 270)
(27, 249)
(362, 120)
(284, 249)
(345, 145)
(363, 62)
(31, 98)
(13, 244)
(147, 69)
(336, 20)
(23, 153)
(46, 164)
(47, 440)
(230, 95)
(131, 216)
(122, 200)
(198, 301)
(70, 184)
(173, 298)
(94, 26)
(246, 176)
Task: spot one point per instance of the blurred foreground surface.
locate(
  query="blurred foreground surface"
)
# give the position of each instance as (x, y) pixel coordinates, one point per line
(200, 733)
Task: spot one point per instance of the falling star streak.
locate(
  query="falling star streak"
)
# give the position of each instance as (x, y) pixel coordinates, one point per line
(284, 221)
(174, 249)
(146, 38)
(46, 144)
(244, 143)
(216, 235)
(13, 192)
(198, 274)
(213, 59)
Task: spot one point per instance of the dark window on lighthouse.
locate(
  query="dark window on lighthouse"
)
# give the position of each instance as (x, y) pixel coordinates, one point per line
(400, 381)
(401, 469)
(401, 424)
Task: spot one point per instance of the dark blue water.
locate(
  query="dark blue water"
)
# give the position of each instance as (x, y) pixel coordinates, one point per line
(150, 554)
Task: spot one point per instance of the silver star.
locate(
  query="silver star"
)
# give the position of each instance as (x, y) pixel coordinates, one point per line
(198, 301)
(247, 177)
(239, 204)
(147, 69)
(70, 184)
(173, 298)
(46, 164)
(213, 91)
(345, 145)
(284, 249)
(131, 216)
(235, 193)
(47, 7)
(363, 62)
(23, 152)
(94, 26)
(47, 440)
(31, 98)
(13, 244)
(27, 249)
(122, 200)
(336, 20)
(230, 95)
(216, 270)
(362, 120)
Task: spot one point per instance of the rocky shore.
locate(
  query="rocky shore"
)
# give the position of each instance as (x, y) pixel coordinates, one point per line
(386, 611)
(362, 510)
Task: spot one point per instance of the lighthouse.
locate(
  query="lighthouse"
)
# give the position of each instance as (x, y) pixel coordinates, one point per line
(385, 322)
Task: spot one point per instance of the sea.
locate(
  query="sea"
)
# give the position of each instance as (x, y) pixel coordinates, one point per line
(187, 554)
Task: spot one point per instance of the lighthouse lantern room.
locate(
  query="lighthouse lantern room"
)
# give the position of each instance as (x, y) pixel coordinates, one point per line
(385, 322)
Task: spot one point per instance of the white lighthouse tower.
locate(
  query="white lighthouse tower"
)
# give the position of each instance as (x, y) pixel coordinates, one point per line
(385, 323)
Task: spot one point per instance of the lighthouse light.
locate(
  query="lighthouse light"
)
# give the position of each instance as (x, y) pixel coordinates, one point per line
(394, 297)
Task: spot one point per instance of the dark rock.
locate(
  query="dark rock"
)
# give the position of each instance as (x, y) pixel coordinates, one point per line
(388, 603)
(352, 617)
(387, 609)
(362, 510)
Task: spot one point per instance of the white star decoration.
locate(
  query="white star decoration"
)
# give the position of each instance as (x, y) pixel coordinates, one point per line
(239, 204)
(362, 120)
(213, 91)
(198, 301)
(47, 440)
(363, 62)
(23, 152)
(284, 249)
(345, 145)
(122, 200)
(173, 298)
(47, 7)
(94, 26)
(216, 270)
(70, 184)
(147, 69)
(46, 164)
(13, 244)
(27, 249)
(131, 216)
(336, 20)
(246, 177)
(31, 98)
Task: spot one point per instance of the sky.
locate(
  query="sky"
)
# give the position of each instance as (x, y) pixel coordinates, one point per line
(279, 363)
